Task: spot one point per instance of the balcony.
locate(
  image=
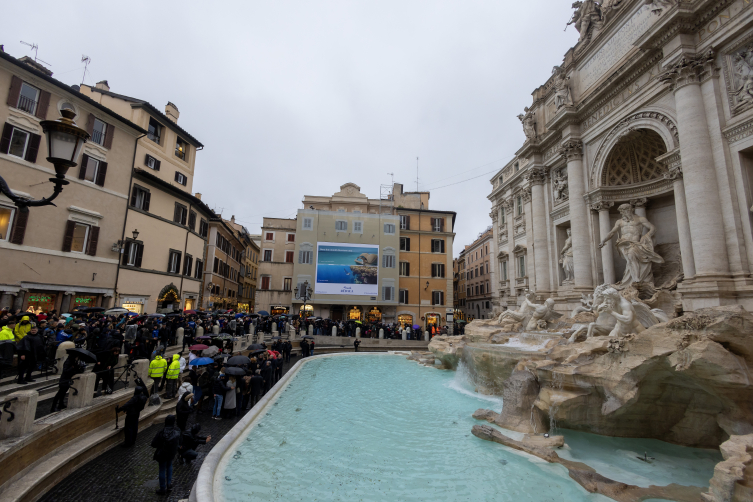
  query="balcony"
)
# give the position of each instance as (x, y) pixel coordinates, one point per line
(27, 105)
(98, 137)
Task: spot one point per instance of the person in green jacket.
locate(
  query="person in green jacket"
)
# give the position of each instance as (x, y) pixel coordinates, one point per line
(157, 371)
(173, 372)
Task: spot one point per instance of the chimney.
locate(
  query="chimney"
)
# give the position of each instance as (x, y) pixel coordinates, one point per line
(102, 84)
(37, 66)
(232, 219)
(172, 112)
(197, 195)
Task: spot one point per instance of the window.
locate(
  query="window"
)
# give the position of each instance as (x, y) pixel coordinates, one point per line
(469, 292)
(504, 270)
(341, 226)
(403, 296)
(358, 227)
(521, 266)
(270, 237)
(437, 297)
(92, 170)
(6, 222)
(265, 282)
(181, 214)
(80, 233)
(404, 243)
(154, 132)
(132, 253)
(476, 272)
(404, 268)
(388, 261)
(305, 257)
(173, 262)
(267, 255)
(28, 99)
(388, 293)
(502, 220)
(98, 132)
(308, 223)
(477, 291)
(404, 222)
(188, 265)
(519, 205)
(482, 289)
(389, 229)
(291, 237)
(517, 167)
(180, 178)
(19, 141)
(289, 256)
(152, 163)
(437, 245)
(437, 269)
(203, 227)
(140, 198)
(487, 267)
(199, 269)
(437, 224)
(287, 284)
(192, 220)
(181, 149)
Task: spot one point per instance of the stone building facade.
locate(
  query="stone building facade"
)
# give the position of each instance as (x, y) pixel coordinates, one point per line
(480, 276)
(223, 256)
(274, 292)
(636, 169)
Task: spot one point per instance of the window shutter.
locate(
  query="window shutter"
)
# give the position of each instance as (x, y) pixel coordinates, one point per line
(43, 105)
(5, 140)
(68, 238)
(147, 200)
(15, 91)
(133, 196)
(19, 227)
(101, 173)
(176, 175)
(93, 241)
(82, 169)
(176, 215)
(139, 253)
(90, 124)
(407, 269)
(183, 216)
(441, 224)
(441, 246)
(126, 252)
(156, 164)
(407, 222)
(109, 134)
(33, 149)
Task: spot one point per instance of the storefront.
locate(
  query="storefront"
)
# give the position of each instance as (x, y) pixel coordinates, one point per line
(306, 311)
(374, 315)
(84, 301)
(433, 319)
(354, 313)
(279, 310)
(40, 301)
(135, 304)
(405, 320)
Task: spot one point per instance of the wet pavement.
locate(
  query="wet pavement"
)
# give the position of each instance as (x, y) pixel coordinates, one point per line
(130, 474)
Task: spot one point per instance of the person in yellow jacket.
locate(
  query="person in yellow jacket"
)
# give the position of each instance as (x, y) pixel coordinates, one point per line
(7, 346)
(157, 371)
(22, 328)
(173, 372)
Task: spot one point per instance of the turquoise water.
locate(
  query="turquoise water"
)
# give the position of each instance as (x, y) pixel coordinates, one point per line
(382, 428)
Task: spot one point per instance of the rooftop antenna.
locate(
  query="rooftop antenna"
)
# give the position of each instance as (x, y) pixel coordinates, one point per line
(35, 48)
(393, 177)
(416, 174)
(86, 60)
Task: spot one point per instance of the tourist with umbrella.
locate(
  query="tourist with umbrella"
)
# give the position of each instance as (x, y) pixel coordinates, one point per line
(74, 364)
(219, 389)
(133, 409)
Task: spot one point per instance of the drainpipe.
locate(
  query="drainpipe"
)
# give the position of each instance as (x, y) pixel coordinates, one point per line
(125, 219)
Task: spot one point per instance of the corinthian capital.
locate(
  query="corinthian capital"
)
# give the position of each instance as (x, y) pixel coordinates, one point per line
(536, 176)
(602, 205)
(674, 173)
(572, 149)
(690, 70)
(526, 195)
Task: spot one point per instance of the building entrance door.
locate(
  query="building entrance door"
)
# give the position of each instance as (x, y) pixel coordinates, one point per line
(354, 314)
(336, 313)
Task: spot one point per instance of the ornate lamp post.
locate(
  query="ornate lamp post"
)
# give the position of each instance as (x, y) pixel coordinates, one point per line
(304, 293)
(64, 142)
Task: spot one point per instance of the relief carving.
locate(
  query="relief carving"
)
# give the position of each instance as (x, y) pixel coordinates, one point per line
(529, 124)
(561, 90)
(741, 63)
(560, 186)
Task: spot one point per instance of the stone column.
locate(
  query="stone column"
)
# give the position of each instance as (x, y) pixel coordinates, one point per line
(699, 177)
(6, 300)
(24, 408)
(18, 302)
(607, 252)
(511, 268)
(683, 225)
(540, 235)
(572, 150)
(66, 305)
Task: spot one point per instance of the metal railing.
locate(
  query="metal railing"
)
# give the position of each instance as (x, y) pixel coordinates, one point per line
(27, 104)
(98, 137)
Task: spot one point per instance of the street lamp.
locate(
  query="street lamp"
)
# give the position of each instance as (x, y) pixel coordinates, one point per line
(64, 142)
(135, 234)
(305, 293)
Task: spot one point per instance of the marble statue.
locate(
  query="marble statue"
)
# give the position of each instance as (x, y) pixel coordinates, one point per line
(523, 311)
(657, 6)
(542, 314)
(742, 77)
(560, 186)
(587, 15)
(626, 320)
(529, 126)
(567, 260)
(561, 89)
(637, 250)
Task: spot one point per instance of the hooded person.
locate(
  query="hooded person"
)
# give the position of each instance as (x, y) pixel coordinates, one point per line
(267, 372)
(133, 409)
(22, 328)
(173, 372)
(71, 368)
(190, 441)
(157, 369)
(166, 444)
(183, 409)
(256, 384)
(30, 353)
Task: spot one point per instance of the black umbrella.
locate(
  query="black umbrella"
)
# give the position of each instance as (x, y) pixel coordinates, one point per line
(256, 346)
(263, 312)
(309, 337)
(173, 315)
(276, 338)
(238, 361)
(256, 352)
(235, 371)
(91, 309)
(83, 354)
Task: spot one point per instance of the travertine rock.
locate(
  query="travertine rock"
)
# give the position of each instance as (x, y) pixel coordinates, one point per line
(733, 477)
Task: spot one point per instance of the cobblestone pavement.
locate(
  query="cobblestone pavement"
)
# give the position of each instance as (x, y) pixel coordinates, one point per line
(130, 474)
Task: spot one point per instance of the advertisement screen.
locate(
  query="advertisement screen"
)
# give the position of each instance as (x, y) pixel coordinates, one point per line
(347, 269)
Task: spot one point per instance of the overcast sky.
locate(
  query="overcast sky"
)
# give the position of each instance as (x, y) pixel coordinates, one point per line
(299, 97)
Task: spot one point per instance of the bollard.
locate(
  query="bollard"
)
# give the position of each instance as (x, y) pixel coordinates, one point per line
(24, 409)
(311, 329)
(141, 367)
(426, 336)
(334, 330)
(84, 384)
(405, 334)
(236, 345)
(274, 328)
(122, 361)
(358, 333)
(381, 334)
(200, 331)
(179, 337)
(216, 329)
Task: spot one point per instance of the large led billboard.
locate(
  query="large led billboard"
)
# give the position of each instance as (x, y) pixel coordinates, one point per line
(347, 269)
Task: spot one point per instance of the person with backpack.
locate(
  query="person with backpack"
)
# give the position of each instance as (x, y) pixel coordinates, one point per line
(219, 389)
(166, 443)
